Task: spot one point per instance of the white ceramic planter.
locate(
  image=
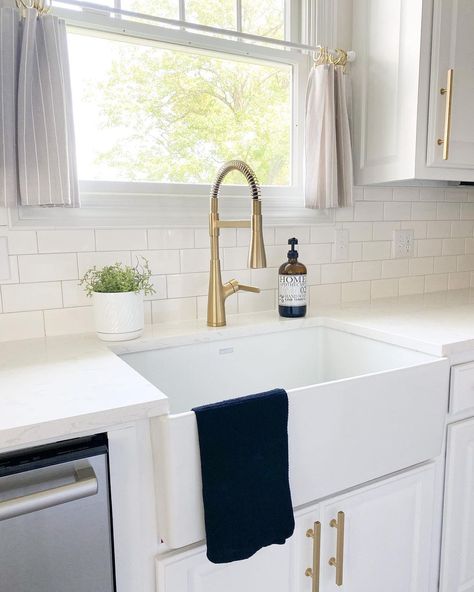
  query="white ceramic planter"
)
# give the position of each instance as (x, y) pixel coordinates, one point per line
(119, 316)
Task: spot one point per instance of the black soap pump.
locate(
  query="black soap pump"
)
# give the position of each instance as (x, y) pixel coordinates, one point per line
(292, 285)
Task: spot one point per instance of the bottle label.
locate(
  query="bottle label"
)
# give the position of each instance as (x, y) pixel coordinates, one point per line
(292, 290)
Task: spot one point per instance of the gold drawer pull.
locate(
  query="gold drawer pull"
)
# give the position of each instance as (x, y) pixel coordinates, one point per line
(315, 571)
(448, 91)
(338, 561)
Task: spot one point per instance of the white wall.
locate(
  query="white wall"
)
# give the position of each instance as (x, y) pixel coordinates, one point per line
(43, 295)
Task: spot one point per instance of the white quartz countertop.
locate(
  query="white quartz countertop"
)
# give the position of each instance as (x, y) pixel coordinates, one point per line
(57, 387)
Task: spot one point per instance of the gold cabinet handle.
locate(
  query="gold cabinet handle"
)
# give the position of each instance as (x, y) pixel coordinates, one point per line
(338, 561)
(448, 91)
(315, 571)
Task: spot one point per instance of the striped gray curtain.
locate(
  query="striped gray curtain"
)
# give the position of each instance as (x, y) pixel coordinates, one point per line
(37, 146)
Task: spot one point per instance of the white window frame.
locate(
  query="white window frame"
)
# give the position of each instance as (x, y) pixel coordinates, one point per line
(173, 204)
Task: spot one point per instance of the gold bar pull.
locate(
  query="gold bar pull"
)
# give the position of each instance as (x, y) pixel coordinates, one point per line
(448, 91)
(338, 561)
(315, 571)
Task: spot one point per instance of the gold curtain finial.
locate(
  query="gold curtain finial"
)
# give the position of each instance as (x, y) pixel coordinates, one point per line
(42, 6)
(323, 56)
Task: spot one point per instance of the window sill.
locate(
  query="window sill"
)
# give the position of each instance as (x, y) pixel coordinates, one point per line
(164, 211)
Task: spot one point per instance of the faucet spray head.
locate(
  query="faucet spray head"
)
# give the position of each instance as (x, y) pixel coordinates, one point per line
(257, 257)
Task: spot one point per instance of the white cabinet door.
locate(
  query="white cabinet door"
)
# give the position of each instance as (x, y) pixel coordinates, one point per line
(452, 49)
(457, 558)
(388, 538)
(272, 569)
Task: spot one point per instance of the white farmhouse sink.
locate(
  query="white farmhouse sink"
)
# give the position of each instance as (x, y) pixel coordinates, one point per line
(359, 409)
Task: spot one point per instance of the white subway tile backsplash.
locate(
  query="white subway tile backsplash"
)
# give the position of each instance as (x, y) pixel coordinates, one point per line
(436, 282)
(424, 211)
(21, 325)
(187, 284)
(302, 233)
(243, 237)
(74, 294)
(324, 295)
(359, 231)
(432, 194)
(406, 194)
(445, 264)
(174, 238)
(367, 270)
(121, 239)
(88, 260)
(408, 286)
(384, 230)
(249, 302)
(174, 310)
(193, 260)
(465, 262)
(421, 266)
(459, 280)
(315, 254)
(3, 217)
(160, 285)
(63, 321)
(322, 234)
(429, 247)
(467, 211)
(235, 258)
(378, 193)
(22, 242)
(45, 268)
(397, 210)
(24, 297)
(419, 228)
(384, 289)
(336, 272)
(376, 250)
(355, 292)
(265, 279)
(454, 246)
(47, 280)
(394, 268)
(65, 241)
(449, 211)
(159, 261)
(462, 228)
(439, 229)
(365, 211)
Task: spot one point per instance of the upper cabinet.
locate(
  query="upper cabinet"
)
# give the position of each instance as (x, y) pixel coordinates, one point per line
(413, 86)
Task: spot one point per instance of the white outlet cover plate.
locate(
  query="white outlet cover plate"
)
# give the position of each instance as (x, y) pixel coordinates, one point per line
(341, 245)
(403, 243)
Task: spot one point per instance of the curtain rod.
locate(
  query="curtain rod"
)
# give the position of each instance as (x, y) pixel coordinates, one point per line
(196, 27)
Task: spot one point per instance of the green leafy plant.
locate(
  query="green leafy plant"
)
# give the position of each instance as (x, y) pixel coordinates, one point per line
(119, 278)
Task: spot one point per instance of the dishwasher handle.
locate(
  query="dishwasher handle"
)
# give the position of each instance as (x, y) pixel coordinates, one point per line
(84, 485)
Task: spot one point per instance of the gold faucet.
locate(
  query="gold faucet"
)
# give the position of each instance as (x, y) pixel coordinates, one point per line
(218, 292)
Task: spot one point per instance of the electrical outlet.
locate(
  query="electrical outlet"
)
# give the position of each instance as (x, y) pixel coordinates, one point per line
(341, 245)
(403, 243)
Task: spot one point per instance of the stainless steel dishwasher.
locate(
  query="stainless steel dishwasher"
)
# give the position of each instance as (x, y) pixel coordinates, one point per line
(55, 522)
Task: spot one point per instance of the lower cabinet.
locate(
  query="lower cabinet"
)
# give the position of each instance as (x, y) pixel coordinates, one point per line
(457, 556)
(377, 537)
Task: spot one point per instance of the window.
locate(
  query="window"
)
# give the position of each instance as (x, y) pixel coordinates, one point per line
(159, 108)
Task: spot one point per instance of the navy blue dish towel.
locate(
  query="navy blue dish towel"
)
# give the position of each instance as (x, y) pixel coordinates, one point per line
(244, 463)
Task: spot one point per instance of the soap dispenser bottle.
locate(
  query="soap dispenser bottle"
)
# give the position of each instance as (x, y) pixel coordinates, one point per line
(292, 285)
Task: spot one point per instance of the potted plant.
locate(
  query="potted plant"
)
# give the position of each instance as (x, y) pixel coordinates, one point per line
(117, 291)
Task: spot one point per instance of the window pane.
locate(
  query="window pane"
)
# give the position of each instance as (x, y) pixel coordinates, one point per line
(151, 114)
(265, 17)
(215, 13)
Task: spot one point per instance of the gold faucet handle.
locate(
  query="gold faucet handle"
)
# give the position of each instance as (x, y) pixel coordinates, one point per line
(245, 288)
